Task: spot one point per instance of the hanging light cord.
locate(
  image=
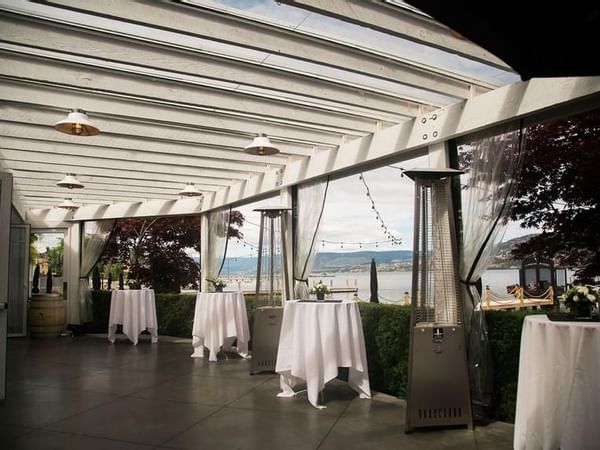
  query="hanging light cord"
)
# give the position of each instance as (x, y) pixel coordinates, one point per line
(395, 240)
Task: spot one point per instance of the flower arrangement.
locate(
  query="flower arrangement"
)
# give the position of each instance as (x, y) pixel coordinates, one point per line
(579, 299)
(219, 284)
(320, 289)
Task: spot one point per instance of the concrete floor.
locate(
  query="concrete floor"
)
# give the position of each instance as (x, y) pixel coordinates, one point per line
(83, 393)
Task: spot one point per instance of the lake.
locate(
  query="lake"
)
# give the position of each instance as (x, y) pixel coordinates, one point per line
(392, 285)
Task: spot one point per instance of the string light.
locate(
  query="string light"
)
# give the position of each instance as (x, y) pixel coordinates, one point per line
(393, 239)
(341, 244)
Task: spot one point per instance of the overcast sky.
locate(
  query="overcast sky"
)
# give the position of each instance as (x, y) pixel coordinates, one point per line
(348, 217)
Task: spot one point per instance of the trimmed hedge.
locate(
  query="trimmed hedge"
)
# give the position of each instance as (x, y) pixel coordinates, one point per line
(386, 330)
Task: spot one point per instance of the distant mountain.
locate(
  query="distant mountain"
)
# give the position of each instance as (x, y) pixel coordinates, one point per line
(504, 260)
(396, 260)
(334, 262)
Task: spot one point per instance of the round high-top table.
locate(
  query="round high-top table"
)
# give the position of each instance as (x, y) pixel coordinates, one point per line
(558, 396)
(135, 309)
(219, 317)
(316, 338)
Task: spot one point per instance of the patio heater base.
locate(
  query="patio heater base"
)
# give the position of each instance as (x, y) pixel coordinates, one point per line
(265, 339)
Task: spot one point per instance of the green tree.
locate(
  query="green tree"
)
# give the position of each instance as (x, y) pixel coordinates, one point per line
(154, 249)
(56, 258)
(559, 192)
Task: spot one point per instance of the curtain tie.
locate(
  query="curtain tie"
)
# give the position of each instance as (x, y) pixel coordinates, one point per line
(468, 283)
(302, 280)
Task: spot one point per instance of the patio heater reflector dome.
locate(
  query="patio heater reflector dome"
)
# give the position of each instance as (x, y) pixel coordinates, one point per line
(190, 191)
(77, 123)
(70, 182)
(261, 145)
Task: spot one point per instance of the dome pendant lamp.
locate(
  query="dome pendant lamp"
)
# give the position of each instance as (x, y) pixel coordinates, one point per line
(261, 145)
(68, 204)
(190, 191)
(70, 182)
(77, 123)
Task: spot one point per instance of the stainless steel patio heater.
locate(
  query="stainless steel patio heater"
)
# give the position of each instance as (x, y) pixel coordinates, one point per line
(438, 380)
(271, 282)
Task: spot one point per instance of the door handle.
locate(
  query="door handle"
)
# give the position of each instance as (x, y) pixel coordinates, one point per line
(3, 305)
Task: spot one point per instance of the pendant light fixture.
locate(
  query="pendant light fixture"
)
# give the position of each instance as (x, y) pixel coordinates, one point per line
(77, 123)
(261, 145)
(70, 182)
(190, 191)
(68, 204)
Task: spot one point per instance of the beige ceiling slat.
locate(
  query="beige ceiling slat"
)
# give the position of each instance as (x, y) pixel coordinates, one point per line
(180, 95)
(109, 183)
(225, 91)
(37, 121)
(69, 157)
(90, 193)
(126, 143)
(244, 34)
(125, 172)
(213, 70)
(124, 108)
(139, 158)
(97, 188)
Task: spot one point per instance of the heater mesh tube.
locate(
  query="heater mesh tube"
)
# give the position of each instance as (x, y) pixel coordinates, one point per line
(437, 299)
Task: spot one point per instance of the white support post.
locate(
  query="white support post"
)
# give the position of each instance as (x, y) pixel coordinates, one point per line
(438, 155)
(204, 259)
(285, 196)
(72, 264)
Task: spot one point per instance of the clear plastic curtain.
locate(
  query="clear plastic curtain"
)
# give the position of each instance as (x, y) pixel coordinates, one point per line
(492, 165)
(310, 204)
(218, 226)
(95, 235)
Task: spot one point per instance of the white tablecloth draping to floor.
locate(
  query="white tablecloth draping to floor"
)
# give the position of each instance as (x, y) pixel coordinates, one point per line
(219, 318)
(558, 396)
(317, 338)
(135, 309)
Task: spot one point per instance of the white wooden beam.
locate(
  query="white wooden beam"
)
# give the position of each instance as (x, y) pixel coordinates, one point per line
(75, 152)
(217, 72)
(20, 120)
(106, 183)
(181, 95)
(532, 100)
(65, 98)
(57, 168)
(160, 20)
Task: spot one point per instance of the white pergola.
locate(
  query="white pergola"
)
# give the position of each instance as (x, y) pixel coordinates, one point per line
(178, 88)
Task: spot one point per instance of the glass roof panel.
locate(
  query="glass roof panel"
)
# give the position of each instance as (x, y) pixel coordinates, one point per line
(362, 37)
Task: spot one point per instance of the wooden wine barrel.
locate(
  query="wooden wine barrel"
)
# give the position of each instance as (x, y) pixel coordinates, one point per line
(47, 315)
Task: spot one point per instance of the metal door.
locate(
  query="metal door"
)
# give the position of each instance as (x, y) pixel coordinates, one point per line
(5, 208)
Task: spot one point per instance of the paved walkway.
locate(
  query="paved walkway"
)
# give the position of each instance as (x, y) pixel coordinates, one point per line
(83, 393)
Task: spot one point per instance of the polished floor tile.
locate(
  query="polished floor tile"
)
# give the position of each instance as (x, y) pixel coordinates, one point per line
(37, 406)
(74, 393)
(202, 390)
(233, 428)
(135, 420)
(52, 440)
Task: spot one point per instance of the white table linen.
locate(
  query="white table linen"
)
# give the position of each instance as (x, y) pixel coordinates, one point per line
(558, 395)
(135, 309)
(316, 338)
(219, 317)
